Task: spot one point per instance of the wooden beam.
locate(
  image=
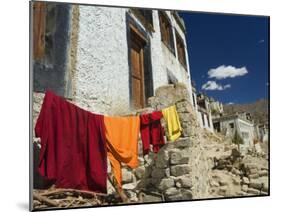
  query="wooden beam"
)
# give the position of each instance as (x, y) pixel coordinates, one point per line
(45, 200)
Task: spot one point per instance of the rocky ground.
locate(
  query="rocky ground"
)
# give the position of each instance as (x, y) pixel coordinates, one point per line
(170, 175)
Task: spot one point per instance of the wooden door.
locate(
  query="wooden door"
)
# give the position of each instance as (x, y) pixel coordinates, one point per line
(137, 71)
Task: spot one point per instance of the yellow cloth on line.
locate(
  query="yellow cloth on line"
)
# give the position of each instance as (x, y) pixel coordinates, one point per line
(171, 117)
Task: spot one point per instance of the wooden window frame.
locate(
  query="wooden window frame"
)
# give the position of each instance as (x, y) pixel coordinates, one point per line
(143, 19)
(181, 55)
(132, 25)
(50, 68)
(166, 29)
(139, 40)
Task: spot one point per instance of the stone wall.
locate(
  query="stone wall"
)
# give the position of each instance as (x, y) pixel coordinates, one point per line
(180, 170)
(176, 94)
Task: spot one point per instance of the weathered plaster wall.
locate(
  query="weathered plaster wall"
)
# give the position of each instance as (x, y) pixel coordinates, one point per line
(101, 73)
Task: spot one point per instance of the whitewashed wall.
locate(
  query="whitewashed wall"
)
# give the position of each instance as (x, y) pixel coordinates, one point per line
(248, 128)
(206, 126)
(241, 126)
(102, 72)
(101, 76)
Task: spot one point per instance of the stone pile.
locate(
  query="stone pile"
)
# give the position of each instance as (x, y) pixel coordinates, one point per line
(239, 175)
(178, 95)
(167, 173)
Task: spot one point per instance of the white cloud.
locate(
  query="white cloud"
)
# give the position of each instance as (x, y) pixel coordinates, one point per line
(212, 85)
(227, 86)
(223, 72)
(230, 103)
(261, 41)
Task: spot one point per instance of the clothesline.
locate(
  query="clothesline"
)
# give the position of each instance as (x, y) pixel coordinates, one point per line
(76, 143)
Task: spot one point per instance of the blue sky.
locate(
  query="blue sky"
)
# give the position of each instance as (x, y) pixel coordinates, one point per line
(228, 55)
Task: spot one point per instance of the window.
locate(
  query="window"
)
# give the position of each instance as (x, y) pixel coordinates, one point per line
(166, 31)
(181, 50)
(203, 120)
(217, 126)
(145, 16)
(231, 125)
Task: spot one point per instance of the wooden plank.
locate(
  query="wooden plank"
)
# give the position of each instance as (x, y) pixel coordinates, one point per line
(136, 87)
(136, 31)
(39, 24)
(46, 200)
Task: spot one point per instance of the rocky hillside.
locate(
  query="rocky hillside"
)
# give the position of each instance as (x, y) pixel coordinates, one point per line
(258, 109)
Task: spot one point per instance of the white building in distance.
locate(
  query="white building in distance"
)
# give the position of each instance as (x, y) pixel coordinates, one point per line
(228, 124)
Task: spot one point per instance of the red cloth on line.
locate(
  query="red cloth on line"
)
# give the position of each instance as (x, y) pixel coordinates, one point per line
(73, 150)
(151, 131)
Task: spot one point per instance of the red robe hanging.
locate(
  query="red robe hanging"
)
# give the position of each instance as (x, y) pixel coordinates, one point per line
(73, 151)
(151, 131)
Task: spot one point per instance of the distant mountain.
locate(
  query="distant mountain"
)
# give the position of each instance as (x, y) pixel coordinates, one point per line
(258, 109)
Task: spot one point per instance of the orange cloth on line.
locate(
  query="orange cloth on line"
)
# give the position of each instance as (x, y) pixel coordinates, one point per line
(122, 143)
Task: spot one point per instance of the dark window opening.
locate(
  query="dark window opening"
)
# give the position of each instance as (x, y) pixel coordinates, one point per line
(203, 120)
(181, 50)
(201, 103)
(166, 31)
(231, 125)
(209, 125)
(217, 126)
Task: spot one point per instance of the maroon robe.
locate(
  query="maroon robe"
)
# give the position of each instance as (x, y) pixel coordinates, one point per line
(73, 151)
(151, 131)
